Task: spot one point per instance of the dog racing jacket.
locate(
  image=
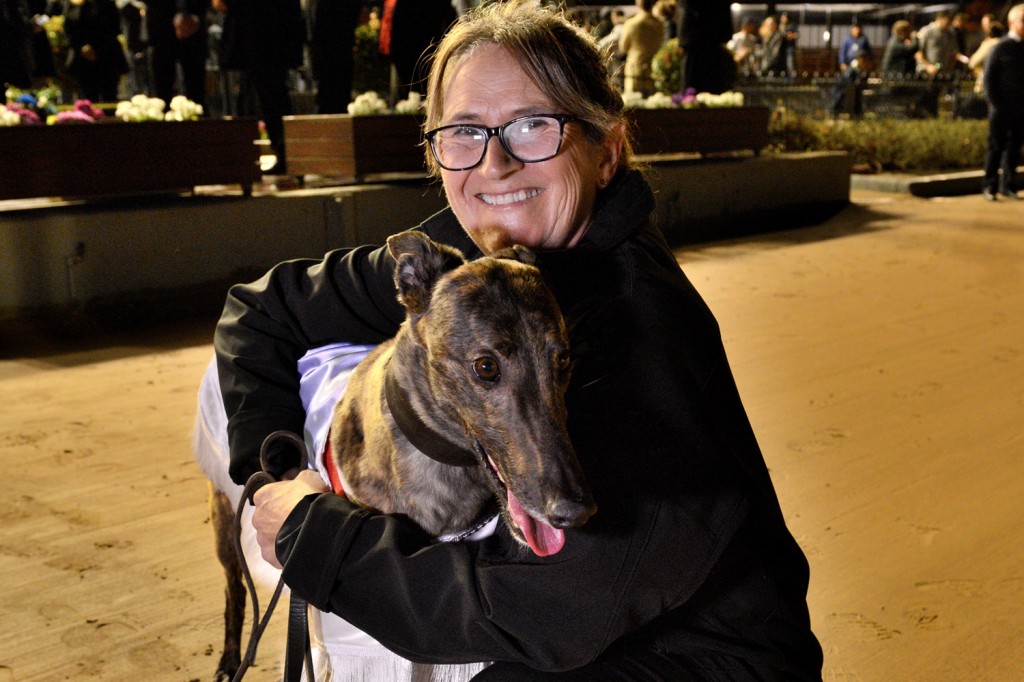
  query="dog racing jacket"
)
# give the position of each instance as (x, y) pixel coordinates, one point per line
(688, 554)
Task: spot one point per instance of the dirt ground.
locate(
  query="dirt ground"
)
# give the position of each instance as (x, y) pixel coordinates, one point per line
(881, 359)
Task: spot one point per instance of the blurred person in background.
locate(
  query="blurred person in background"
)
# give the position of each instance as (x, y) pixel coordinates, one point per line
(773, 54)
(176, 30)
(642, 35)
(744, 47)
(263, 39)
(96, 57)
(15, 44)
(332, 41)
(1004, 88)
(898, 59)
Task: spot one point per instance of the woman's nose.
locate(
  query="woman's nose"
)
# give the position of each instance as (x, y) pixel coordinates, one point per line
(497, 161)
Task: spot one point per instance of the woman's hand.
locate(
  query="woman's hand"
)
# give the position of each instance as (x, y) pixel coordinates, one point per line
(274, 502)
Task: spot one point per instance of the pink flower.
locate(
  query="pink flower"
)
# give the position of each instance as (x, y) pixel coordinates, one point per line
(85, 106)
(74, 116)
(28, 117)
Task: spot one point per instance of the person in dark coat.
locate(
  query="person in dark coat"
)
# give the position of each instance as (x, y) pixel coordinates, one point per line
(416, 25)
(15, 44)
(898, 60)
(263, 39)
(96, 58)
(1004, 88)
(177, 35)
(333, 37)
(687, 570)
(43, 66)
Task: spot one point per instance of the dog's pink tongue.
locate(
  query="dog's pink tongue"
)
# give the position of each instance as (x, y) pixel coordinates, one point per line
(543, 539)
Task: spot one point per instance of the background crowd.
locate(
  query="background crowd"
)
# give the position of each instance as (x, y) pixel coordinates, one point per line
(271, 58)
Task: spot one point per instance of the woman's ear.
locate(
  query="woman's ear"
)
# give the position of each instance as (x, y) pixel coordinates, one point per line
(611, 152)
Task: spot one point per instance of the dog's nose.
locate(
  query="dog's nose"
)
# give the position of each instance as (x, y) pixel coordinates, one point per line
(566, 513)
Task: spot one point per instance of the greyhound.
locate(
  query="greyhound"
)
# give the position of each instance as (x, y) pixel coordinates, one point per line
(460, 413)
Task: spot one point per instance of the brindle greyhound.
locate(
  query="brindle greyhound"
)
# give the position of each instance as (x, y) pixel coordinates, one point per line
(463, 408)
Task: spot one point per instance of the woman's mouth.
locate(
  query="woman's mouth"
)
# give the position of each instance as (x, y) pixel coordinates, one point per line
(509, 198)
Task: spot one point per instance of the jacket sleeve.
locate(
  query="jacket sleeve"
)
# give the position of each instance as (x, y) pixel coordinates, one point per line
(494, 601)
(267, 326)
(648, 430)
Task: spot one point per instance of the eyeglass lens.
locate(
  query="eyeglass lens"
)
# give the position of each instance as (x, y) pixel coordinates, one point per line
(529, 139)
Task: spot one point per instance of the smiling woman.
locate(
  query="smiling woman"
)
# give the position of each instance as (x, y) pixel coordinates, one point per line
(688, 569)
(502, 198)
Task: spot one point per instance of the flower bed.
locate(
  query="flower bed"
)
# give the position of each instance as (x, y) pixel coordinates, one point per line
(699, 130)
(112, 158)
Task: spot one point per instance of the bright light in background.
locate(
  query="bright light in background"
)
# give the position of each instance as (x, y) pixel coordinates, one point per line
(826, 36)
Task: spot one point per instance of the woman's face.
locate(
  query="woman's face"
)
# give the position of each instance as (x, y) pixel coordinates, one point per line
(502, 201)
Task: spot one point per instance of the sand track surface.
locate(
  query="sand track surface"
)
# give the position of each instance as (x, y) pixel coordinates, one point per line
(880, 356)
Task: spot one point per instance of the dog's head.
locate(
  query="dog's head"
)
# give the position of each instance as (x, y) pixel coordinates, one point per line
(496, 357)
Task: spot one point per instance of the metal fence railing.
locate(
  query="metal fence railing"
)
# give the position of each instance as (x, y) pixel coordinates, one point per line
(832, 95)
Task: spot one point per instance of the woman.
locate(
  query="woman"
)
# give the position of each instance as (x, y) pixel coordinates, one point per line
(687, 570)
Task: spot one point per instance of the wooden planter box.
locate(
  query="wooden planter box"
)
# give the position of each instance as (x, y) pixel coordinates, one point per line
(700, 130)
(356, 146)
(114, 158)
(353, 146)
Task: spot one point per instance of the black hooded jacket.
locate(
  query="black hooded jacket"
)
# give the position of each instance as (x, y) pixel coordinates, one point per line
(688, 553)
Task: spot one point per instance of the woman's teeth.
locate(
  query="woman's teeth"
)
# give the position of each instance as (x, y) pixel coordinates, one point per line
(502, 199)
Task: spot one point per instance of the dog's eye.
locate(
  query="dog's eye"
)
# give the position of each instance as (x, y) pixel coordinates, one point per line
(562, 360)
(487, 368)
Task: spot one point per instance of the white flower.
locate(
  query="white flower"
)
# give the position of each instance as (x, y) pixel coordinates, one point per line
(140, 108)
(410, 105)
(367, 104)
(183, 109)
(658, 100)
(8, 117)
(726, 99)
(632, 100)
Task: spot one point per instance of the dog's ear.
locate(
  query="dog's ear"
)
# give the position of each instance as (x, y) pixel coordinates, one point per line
(419, 262)
(517, 252)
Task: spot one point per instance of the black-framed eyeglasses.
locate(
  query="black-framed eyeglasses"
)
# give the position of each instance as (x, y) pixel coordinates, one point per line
(528, 139)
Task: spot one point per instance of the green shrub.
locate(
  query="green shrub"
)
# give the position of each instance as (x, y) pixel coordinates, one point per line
(372, 71)
(667, 68)
(887, 144)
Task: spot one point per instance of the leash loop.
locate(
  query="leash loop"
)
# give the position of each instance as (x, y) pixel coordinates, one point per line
(298, 645)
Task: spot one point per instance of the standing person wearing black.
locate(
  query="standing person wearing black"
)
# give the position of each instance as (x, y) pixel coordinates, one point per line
(15, 44)
(416, 25)
(177, 34)
(96, 56)
(1004, 88)
(43, 67)
(333, 37)
(263, 39)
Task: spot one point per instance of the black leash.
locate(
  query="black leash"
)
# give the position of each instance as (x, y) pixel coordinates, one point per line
(298, 648)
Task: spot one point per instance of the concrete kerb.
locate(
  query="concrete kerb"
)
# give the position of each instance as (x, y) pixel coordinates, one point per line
(927, 186)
